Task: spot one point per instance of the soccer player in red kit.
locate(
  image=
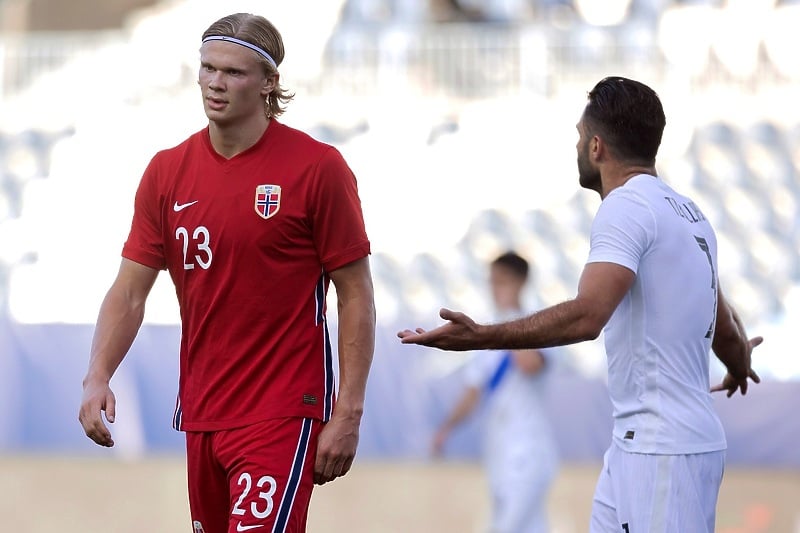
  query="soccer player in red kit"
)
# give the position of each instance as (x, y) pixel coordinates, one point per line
(252, 219)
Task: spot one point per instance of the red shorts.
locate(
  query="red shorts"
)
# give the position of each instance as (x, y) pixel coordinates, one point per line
(255, 478)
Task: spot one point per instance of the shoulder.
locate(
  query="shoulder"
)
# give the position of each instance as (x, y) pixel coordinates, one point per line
(632, 200)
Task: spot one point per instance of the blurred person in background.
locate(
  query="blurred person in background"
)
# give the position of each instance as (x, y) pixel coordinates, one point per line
(520, 453)
(651, 286)
(252, 219)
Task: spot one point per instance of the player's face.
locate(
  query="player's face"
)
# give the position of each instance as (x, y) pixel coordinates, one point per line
(588, 175)
(232, 82)
(506, 287)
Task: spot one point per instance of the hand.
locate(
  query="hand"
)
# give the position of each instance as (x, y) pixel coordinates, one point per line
(732, 384)
(459, 334)
(439, 439)
(97, 397)
(336, 449)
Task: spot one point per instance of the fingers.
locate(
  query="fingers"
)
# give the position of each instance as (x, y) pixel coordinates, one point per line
(91, 417)
(755, 341)
(754, 376)
(111, 408)
(407, 333)
(328, 468)
(96, 430)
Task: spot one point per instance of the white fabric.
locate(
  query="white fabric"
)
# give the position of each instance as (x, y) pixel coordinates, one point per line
(658, 339)
(645, 493)
(520, 453)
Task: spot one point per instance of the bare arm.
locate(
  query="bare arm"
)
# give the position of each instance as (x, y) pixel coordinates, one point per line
(465, 406)
(732, 347)
(120, 317)
(602, 287)
(339, 440)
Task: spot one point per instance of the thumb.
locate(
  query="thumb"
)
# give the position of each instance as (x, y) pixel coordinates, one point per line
(111, 407)
(447, 314)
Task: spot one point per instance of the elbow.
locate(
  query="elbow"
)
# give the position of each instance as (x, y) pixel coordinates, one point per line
(592, 334)
(590, 328)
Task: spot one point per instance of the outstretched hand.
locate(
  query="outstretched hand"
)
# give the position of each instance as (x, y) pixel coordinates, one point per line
(732, 384)
(461, 333)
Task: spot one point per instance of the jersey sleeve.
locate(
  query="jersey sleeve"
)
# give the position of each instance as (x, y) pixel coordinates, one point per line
(145, 243)
(337, 220)
(622, 231)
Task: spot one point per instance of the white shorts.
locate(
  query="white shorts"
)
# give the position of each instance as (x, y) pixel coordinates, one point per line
(644, 493)
(520, 478)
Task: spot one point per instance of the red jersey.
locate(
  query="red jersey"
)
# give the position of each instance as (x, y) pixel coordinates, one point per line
(248, 242)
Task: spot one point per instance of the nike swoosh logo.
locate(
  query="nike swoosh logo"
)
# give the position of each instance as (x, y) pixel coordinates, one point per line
(179, 207)
(240, 527)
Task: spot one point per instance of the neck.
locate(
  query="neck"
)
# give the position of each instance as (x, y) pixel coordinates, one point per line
(618, 175)
(231, 139)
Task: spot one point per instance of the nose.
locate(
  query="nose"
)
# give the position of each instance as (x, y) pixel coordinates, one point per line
(215, 81)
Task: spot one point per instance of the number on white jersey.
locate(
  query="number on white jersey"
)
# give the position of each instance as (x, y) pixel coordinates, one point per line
(704, 246)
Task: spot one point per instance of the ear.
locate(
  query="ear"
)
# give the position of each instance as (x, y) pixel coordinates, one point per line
(597, 148)
(269, 84)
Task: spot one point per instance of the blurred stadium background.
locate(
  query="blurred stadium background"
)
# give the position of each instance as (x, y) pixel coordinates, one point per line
(457, 117)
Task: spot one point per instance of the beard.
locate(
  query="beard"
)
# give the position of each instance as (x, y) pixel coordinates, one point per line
(588, 176)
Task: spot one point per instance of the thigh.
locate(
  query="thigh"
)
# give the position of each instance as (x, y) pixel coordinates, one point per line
(208, 485)
(665, 493)
(520, 508)
(693, 506)
(520, 496)
(604, 503)
(270, 470)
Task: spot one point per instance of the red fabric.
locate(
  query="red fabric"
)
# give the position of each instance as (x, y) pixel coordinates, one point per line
(251, 289)
(252, 477)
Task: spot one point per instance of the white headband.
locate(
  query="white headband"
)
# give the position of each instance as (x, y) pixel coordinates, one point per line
(243, 43)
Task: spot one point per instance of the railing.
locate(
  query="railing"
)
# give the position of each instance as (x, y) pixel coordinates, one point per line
(24, 57)
(453, 60)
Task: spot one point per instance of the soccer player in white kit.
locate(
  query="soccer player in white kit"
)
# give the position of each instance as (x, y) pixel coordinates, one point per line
(519, 450)
(651, 285)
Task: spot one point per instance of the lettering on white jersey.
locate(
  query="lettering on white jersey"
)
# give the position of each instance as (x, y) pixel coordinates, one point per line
(688, 210)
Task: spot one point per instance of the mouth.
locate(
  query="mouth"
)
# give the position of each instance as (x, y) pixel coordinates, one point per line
(215, 102)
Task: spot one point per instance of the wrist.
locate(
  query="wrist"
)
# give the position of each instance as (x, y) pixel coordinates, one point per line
(96, 378)
(348, 410)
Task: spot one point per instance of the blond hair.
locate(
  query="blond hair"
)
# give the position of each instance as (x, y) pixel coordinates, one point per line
(260, 32)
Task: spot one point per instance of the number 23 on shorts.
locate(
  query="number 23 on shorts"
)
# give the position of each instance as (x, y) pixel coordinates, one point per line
(261, 506)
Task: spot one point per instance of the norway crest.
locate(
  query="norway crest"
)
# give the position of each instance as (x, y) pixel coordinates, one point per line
(268, 200)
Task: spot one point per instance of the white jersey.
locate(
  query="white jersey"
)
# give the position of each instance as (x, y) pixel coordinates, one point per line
(517, 424)
(520, 452)
(658, 340)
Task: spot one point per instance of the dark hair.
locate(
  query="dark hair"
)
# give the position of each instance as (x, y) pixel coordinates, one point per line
(628, 116)
(514, 262)
(257, 30)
